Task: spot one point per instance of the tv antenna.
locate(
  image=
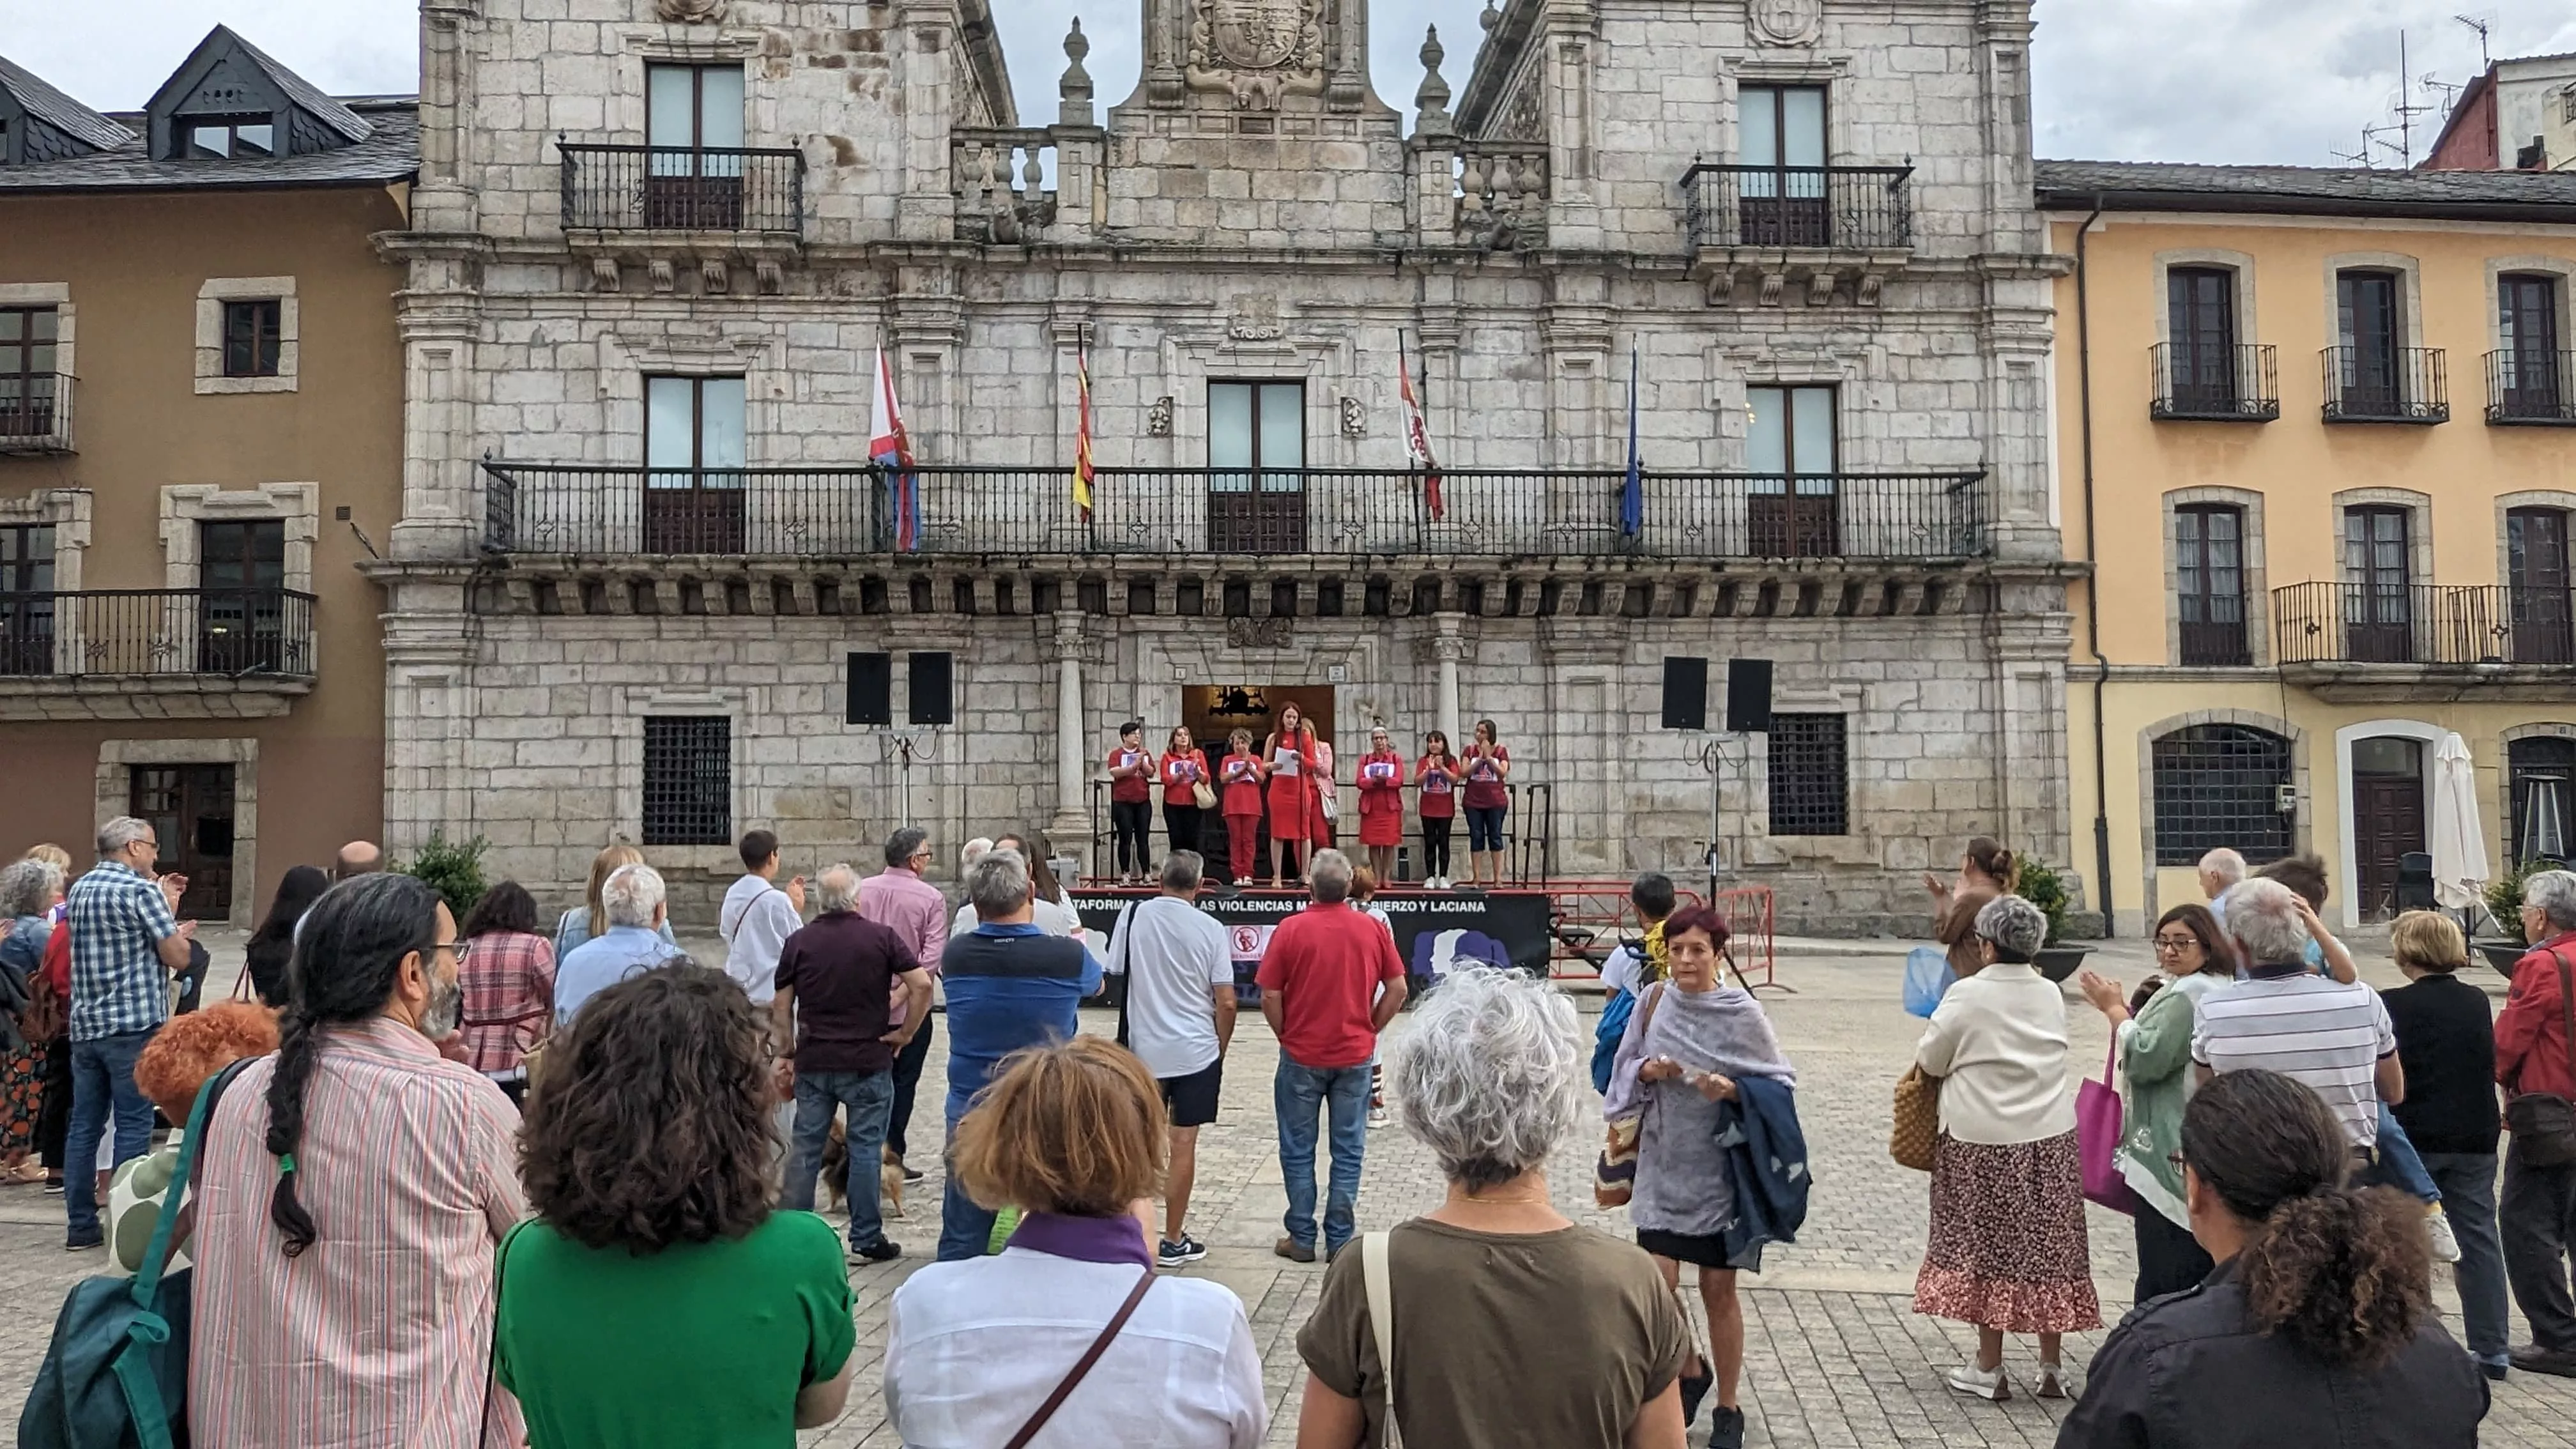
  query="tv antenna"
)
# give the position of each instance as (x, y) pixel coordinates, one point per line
(2481, 24)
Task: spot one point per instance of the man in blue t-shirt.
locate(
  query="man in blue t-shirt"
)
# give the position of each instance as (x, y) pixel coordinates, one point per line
(1010, 985)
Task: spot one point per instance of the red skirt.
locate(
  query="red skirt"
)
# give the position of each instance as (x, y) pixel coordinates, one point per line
(1289, 808)
(1385, 824)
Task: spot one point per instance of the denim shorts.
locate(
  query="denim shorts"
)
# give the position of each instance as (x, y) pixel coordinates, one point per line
(1485, 827)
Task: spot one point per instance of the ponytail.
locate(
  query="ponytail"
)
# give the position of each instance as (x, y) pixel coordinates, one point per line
(2345, 1273)
(295, 1051)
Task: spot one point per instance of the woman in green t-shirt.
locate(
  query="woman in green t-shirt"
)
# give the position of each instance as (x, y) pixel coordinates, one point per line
(658, 1298)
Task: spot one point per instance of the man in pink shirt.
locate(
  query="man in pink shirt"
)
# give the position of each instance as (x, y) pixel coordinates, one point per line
(898, 899)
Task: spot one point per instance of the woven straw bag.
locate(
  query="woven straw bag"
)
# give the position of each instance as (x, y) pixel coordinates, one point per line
(1917, 1119)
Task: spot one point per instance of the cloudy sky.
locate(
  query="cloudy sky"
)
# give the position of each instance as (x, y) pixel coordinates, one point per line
(2291, 81)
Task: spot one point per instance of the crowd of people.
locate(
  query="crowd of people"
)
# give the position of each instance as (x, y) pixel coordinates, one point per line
(458, 1182)
(1286, 790)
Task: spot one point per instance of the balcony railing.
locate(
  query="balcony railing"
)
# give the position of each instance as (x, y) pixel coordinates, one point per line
(2232, 383)
(149, 632)
(2531, 386)
(679, 188)
(2398, 385)
(1862, 208)
(827, 512)
(2458, 624)
(36, 413)
(2215, 643)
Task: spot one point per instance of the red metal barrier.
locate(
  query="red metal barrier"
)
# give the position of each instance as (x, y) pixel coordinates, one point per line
(1748, 918)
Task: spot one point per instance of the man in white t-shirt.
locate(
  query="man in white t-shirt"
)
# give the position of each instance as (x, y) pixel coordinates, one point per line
(757, 917)
(1179, 1021)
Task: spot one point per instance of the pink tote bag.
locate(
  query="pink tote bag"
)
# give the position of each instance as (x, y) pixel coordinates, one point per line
(2097, 1137)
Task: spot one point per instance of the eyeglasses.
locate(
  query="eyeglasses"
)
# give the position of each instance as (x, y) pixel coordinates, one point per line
(2176, 943)
(457, 951)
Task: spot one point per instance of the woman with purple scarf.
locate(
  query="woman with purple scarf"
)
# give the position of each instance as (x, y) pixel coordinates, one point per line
(1688, 1041)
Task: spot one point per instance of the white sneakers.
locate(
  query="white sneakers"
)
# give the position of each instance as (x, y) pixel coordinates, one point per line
(2437, 1226)
(1995, 1386)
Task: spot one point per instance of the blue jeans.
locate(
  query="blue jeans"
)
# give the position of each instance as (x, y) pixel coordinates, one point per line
(1296, 1094)
(2399, 1165)
(2468, 1183)
(102, 1081)
(868, 1095)
(965, 1230)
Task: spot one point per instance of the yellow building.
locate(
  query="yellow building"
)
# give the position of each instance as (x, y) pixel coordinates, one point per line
(2317, 439)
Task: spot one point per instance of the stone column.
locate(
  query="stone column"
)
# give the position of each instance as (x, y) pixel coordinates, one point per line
(928, 209)
(1449, 646)
(1070, 830)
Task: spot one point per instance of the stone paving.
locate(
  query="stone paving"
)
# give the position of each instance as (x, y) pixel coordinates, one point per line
(1835, 1356)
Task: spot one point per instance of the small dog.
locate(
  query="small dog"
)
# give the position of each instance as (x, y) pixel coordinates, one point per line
(836, 1173)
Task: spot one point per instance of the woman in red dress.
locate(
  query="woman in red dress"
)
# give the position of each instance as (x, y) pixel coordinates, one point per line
(1289, 762)
(1381, 782)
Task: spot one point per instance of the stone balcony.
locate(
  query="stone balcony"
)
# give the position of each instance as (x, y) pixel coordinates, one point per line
(665, 207)
(1822, 228)
(36, 414)
(119, 654)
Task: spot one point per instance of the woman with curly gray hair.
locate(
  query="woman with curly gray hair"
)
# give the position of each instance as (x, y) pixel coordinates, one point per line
(2007, 1250)
(1513, 1324)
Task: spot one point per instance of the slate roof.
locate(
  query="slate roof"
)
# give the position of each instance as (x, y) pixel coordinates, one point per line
(298, 90)
(390, 152)
(2310, 191)
(58, 110)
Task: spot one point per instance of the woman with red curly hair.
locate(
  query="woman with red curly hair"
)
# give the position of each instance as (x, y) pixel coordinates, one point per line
(179, 1060)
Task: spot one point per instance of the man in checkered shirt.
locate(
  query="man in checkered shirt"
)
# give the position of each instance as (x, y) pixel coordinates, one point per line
(125, 945)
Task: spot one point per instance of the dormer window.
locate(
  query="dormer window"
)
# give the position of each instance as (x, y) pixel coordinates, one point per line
(216, 137)
(229, 101)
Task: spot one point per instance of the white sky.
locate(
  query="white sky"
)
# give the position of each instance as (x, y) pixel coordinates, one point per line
(2290, 81)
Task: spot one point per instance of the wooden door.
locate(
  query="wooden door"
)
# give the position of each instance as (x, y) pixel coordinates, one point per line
(2529, 384)
(241, 574)
(191, 811)
(26, 598)
(2388, 817)
(2544, 623)
(2366, 308)
(2377, 600)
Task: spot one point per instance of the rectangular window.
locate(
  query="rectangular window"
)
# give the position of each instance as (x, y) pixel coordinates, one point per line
(251, 332)
(693, 107)
(2377, 600)
(688, 780)
(1789, 446)
(27, 380)
(1810, 779)
(26, 599)
(2209, 583)
(1782, 182)
(2538, 774)
(2529, 372)
(214, 138)
(2201, 306)
(693, 458)
(242, 606)
(2368, 382)
(2543, 608)
(1256, 452)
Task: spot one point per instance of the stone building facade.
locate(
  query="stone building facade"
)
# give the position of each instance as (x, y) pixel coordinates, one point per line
(648, 587)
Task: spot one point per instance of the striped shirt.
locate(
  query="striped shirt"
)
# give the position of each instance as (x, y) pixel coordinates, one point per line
(380, 1333)
(2326, 1034)
(119, 917)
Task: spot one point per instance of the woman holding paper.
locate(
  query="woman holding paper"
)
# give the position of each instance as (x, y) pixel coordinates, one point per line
(1239, 774)
(1183, 768)
(1131, 791)
(1289, 762)
(1381, 781)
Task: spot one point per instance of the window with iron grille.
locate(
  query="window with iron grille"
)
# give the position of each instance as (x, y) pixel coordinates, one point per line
(2537, 782)
(2221, 785)
(2209, 583)
(1810, 785)
(688, 780)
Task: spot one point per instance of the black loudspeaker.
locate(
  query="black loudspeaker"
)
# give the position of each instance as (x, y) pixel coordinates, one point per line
(871, 689)
(1748, 696)
(931, 701)
(1685, 693)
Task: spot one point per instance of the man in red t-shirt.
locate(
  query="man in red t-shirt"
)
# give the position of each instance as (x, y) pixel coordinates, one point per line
(1330, 982)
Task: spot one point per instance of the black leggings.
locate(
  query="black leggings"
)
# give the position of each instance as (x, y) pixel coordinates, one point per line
(1435, 845)
(1181, 823)
(1128, 822)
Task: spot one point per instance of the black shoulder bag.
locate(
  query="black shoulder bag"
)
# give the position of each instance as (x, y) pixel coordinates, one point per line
(2543, 1124)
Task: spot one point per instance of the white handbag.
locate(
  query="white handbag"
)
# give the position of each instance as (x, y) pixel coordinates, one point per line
(1381, 1308)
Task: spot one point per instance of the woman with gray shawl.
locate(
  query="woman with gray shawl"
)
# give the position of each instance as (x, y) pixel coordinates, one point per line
(1687, 1042)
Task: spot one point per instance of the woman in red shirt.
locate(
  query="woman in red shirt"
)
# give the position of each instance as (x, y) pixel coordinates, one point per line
(1289, 761)
(1182, 769)
(1239, 775)
(1437, 778)
(1488, 763)
(1381, 782)
(1131, 813)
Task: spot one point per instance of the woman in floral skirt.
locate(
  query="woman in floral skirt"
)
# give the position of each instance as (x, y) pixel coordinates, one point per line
(2007, 1251)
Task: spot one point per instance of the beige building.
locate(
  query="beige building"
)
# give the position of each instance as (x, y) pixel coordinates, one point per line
(200, 435)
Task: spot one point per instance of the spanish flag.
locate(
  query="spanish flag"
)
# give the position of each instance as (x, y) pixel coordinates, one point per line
(1082, 434)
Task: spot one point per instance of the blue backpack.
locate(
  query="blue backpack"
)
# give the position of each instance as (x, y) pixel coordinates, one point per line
(1606, 1036)
(116, 1374)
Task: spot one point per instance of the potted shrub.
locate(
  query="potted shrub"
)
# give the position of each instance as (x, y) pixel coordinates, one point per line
(453, 869)
(2041, 887)
(2504, 903)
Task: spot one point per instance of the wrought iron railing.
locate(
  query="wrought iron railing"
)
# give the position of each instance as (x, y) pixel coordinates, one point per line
(809, 512)
(2390, 385)
(2238, 383)
(141, 632)
(2465, 624)
(1857, 207)
(2527, 385)
(2215, 643)
(36, 412)
(681, 188)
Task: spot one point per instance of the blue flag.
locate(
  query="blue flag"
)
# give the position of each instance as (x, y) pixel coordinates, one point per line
(1632, 494)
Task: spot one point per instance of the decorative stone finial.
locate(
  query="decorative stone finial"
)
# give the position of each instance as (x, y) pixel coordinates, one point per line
(1431, 98)
(1073, 91)
(1490, 18)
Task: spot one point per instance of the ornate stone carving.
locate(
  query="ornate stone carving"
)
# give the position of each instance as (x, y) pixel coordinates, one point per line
(1257, 51)
(1354, 418)
(690, 12)
(1158, 418)
(1788, 22)
(1260, 633)
(1525, 114)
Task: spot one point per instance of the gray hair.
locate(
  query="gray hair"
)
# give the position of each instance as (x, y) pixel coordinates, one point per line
(2225, 864)
(1329, 876)
(2263, 916)
(973, 851)
(998, 884)
(2014, 925)
(119, 833)
(836, 888)
(2554, 892)
(904, 844)
(1492, 1075)
(27, 887)
(630, 894)
(1182, 870)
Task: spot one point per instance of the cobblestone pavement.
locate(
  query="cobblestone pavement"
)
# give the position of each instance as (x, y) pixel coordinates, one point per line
(1835, 1355)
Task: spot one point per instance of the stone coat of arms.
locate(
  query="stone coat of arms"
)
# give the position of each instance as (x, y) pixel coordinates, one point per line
(1257, 51)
